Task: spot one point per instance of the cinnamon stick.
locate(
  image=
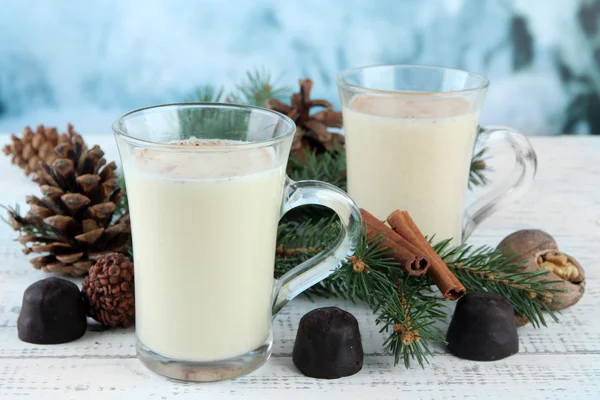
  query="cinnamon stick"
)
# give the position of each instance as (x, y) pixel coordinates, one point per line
(413, 260)
(444, 279)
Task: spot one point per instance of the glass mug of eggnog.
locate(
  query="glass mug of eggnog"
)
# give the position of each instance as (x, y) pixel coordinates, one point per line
(206, 187)
(411, 132)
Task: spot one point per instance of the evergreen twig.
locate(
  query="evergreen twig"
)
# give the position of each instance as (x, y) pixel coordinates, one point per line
(485, 269)
(26, 228)
(407, 307)
(329, 167)
(478, 169)
(206, 93)
(257, 89)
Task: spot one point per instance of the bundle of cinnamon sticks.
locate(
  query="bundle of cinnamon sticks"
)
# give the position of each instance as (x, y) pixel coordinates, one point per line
(408, 247)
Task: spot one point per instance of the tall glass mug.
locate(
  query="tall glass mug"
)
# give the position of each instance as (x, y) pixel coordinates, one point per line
(206, 186)
(410, 134)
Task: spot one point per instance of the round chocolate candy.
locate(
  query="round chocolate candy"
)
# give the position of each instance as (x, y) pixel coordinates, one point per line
(483, 328)
(328, 344)
(53, 312)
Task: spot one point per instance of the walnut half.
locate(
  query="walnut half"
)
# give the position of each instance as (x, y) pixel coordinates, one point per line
(538, 250)
(559, 264)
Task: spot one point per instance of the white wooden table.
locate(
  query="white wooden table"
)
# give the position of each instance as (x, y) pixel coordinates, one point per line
(558, 362)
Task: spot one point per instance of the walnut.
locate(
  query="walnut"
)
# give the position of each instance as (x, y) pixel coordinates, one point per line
(539, 250)
(559, 264)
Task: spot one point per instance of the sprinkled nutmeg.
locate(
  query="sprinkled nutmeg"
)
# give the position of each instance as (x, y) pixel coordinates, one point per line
(538, 250)
(109, 291)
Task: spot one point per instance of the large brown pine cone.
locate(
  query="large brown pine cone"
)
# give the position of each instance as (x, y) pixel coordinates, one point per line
(74, 223)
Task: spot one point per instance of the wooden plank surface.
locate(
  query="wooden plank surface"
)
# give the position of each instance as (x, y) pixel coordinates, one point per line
(561, 361)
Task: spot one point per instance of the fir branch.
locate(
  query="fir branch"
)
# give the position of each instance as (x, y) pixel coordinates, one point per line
(485, 269)
(206, 93)
(329, 166)
(405, 306)
(478, 168)
(122, 209)
(370, 276)
(365, 276)
(26, 227)
(257, 89)
(299, 241)
(408, 309)
(412, 319)
(122, 205)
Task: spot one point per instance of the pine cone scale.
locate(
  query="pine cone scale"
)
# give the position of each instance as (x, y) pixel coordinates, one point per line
(90, 237)
(54, 247)
(75, 201)
(329, 118)
(51, 191)
(320, 103)
(319, 131)
(69, 258)
(39, 212)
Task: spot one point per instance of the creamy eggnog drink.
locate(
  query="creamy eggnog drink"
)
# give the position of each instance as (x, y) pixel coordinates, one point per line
(204, 230)
(206, 186)
(410, 137)
(411, 152)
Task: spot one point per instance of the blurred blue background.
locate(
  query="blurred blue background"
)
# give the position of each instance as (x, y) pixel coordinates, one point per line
(87, 62)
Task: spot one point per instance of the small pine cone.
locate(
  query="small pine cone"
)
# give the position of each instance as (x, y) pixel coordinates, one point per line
(109, 291)
(312, 129)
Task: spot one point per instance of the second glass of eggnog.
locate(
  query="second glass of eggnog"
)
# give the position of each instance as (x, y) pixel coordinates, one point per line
(411, 133)
(206, 186)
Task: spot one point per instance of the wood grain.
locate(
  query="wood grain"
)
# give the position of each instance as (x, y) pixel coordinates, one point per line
(560, 361)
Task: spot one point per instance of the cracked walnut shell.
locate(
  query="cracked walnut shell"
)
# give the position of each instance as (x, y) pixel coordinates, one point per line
(539, 250)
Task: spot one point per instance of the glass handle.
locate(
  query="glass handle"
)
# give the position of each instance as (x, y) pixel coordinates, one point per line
(514, 186)
(323, 264)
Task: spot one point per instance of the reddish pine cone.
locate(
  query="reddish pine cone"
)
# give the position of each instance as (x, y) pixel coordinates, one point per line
(109, 291)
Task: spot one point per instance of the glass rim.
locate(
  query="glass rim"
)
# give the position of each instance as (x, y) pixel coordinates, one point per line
(289, 131)
(343, 83)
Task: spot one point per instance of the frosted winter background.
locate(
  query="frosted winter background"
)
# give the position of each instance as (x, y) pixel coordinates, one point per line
(87, 62)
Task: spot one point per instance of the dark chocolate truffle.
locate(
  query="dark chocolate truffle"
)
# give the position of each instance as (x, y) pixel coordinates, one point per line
(53, 312)
(483, 328)
(328, 344)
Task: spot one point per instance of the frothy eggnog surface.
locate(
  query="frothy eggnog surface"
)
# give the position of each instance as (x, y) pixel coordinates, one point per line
(411, 152)
(204, 230)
